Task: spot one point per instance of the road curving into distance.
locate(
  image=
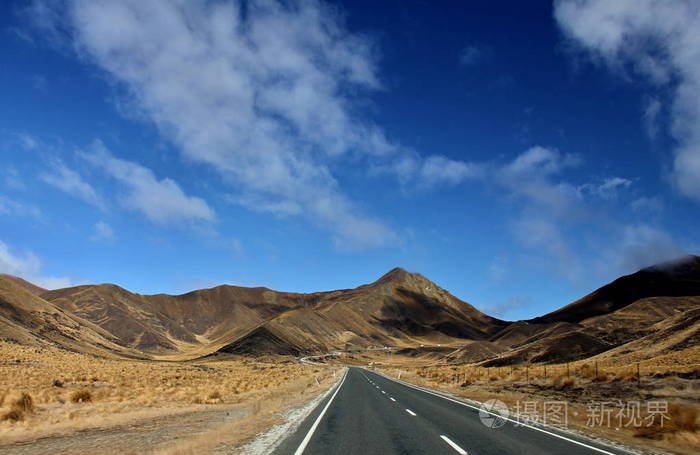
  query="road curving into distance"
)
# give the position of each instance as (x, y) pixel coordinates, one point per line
(369, 413)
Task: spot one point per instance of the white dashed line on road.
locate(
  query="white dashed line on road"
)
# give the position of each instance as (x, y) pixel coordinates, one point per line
(459, 450)
(392, 399)
(411, 412)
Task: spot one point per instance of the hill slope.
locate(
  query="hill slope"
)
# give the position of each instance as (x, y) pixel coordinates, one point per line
(399, 309)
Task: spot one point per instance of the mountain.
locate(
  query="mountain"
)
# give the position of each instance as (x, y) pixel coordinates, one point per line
(614, 319)
(28, 319)
(31, 287)
(671, 279)
(399, 309)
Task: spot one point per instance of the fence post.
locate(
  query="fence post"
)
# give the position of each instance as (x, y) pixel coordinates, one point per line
(639, 376)
(596, 370)
(567, 369)
(545, 371)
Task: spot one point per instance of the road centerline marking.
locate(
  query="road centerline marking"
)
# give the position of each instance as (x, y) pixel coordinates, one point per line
(411, 412)
(459, 450)
(392, 399)
(550, 433)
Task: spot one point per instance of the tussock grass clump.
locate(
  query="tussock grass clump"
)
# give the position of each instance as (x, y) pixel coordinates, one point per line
(14, 415)
(602, 377)
(24, 404)
(681, 418)
(81, 396)
(563, 381)
(587, 372)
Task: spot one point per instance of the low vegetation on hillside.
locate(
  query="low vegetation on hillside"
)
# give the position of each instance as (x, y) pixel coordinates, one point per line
(50, 392)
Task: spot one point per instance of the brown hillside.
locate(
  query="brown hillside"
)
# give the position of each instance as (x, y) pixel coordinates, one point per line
(28, 319)
(672, 279)
(400, 308)
(31, 287)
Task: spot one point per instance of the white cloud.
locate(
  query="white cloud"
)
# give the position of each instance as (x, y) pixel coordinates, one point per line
(498, 269)
(553, 208)
(643, 245)
(438, 169)
(27, 141)
(103, 233)
(419, 172)
(71, 182)
(652, 204)
(160, 200)
(609, 188)
(506, 307)
(651, 117)
(266, 96)
(12, 179)
(237, 247)
(471, 55)
(12, 207)
(660, 41)
(548, 203)
(533, 177)
(28, 266)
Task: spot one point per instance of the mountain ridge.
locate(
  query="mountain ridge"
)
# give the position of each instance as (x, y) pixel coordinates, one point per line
(400, 308)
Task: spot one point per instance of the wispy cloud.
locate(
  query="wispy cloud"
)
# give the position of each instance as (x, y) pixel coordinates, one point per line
(265, 97)
(69, 181)
(506, 307)
(643, 245)
(159, 200)
(12, 179)
(608, 188)
(658, 41)
(471, 55)
(12, 207)
(265, 92)
(552, 207)
(651, 117)
(28, 266)
(103, 233)
(651, 204)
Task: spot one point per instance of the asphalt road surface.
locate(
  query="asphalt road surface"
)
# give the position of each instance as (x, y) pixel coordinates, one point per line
(371, 414)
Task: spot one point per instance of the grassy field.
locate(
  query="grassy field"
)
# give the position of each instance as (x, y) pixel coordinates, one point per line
(52, 393)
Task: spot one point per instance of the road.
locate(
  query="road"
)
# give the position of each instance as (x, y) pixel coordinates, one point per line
(371, 414)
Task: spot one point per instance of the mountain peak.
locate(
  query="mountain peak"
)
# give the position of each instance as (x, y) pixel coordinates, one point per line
(682, 266)
(395, 274)
(31, 287)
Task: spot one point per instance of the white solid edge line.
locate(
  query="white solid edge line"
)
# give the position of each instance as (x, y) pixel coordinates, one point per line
(459, 450)
(573, 441)
(411, 412)
(307, 438)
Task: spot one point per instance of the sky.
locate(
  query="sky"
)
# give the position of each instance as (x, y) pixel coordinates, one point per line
(518, 154)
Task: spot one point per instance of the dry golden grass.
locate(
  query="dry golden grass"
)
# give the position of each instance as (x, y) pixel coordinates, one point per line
(81, 396)
(47, 392)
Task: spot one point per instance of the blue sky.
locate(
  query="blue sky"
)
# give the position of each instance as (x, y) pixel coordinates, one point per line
(519, 154)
